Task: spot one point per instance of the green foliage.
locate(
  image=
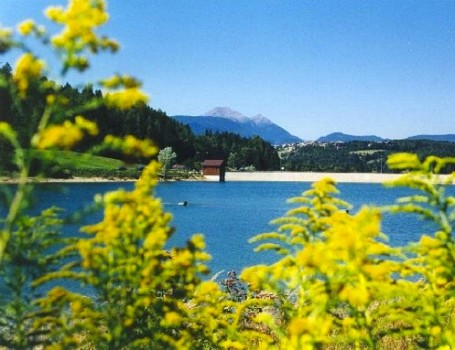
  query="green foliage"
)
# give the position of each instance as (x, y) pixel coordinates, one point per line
(27, 257)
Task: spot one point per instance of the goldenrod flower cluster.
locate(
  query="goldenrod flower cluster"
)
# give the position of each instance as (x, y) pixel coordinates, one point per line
(131, 145)
(80, 19)
(66, 135)
(127, 98)
(29, 27)
(341, 284)
(27, 69)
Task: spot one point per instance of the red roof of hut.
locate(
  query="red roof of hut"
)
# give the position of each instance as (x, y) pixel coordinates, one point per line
(213, 162)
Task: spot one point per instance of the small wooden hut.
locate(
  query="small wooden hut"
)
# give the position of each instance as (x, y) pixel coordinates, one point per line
(213, 168)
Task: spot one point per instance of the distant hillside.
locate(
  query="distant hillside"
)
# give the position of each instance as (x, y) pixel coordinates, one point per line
(358, 156)
(340, 137)
(447, 137)
(224, 119)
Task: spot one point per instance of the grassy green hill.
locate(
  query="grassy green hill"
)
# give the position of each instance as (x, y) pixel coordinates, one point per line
(74, 160)
(67, 164)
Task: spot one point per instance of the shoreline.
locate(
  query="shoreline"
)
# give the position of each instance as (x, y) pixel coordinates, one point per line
(255, 176)
(5, 180)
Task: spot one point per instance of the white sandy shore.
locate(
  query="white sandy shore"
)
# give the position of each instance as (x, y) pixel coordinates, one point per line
(72, 180)
(308, 176)
(288, 176)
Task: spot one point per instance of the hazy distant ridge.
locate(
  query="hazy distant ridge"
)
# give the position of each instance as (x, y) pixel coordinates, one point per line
(341, 137)
(225, 119)
(446, 137)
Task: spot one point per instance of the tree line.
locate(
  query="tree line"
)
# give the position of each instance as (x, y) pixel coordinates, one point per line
(142, 121)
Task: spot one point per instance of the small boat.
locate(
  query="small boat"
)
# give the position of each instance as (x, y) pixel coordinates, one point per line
(183, 204)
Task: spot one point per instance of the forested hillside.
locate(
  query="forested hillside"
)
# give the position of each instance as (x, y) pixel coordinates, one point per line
(141, 121)
(357, 156)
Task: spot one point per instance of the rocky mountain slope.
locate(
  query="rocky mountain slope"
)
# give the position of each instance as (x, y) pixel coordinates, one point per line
(225, 119)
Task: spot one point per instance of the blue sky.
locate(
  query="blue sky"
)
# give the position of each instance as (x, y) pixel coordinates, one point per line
(384, 67)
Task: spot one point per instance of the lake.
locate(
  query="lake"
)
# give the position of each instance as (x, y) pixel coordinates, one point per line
(230, 213)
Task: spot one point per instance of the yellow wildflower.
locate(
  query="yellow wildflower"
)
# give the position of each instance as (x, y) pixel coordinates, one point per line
(435, 331)
(265, 318)
(172, 319)
(357, 296)
(126, 98)
(117, 81)
(404, 161)
(348, 322)
(7, 131)
(130, 145)
(232, 345)
(207, 288)
(26, 27)
(299, 326)
(378, 272)
(255, 276)
(50, 99)
(76, 306)
(155, 240)
(65, 135)
(54, 13)
(5, 39)
(28, 68)
(90, 127)
(112, 82)
(198, 241)
(79, 20)
(429, 242)
(183, 258)
(57, 293)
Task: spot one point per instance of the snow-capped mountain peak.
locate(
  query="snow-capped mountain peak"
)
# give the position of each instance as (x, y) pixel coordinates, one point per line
(260, 119)
(228, 113)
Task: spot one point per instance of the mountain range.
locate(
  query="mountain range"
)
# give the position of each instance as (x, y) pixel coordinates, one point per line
(225, 119)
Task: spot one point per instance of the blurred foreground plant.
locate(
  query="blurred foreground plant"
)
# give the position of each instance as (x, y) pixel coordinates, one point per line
(340, 285)
(134, 290)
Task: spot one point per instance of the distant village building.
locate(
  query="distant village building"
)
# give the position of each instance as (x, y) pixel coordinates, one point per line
(213, 168)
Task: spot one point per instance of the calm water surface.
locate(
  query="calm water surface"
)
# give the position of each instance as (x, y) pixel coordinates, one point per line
(230, 213)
